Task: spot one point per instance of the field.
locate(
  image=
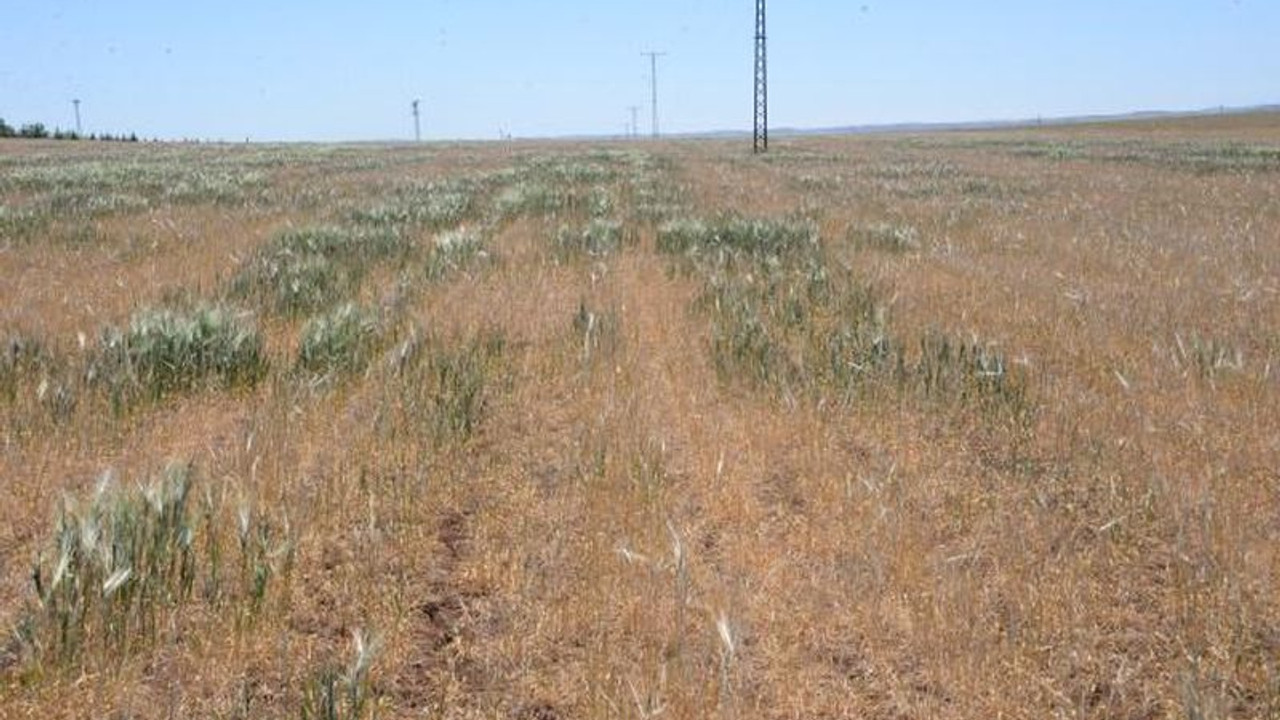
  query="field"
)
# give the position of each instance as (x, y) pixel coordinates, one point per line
(955, 425)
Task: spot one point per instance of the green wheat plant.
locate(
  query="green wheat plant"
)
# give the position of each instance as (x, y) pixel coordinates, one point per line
(456, 251)
(342, 341)
(335, 693)
(886, 237)
(445, 388)
(596, 333)
(304, 270)
(164, 350)
(596, 239)
(123, 559)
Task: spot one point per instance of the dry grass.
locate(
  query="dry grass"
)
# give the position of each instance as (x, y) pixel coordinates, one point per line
(540, 490)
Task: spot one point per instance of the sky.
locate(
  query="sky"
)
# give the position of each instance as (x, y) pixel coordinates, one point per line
(322, 70)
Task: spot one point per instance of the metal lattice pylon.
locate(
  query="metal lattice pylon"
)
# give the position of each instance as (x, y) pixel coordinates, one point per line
(760, 134)
(653, 86)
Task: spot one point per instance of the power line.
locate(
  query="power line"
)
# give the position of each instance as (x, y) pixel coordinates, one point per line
(653, 85)
(417, 127)
(760, 131)
(634, 128)
(76, 103)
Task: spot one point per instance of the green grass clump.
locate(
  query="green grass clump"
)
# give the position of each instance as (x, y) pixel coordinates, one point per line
(653, 205)
(301, 271)
(795, 327)
(530, 197)
(123, 559)
(30, 369)
(753, 238)
(966, 371)
(120, 558)
(458, 383)
(165, 350)
(433, 205)
(782, 317)
(446, 389)
(1207, 356)
(22, 356)
(886, 237)
(653, 197)
(596, 333)
(20, 224)
(597, 239)
(340, 243)
(90, 203)
(600, 203)
(595, 168)
(332, 693)
(296, 284)
(342, 341)
(456, 251)
(577, 186)
(443, 208)
(134, 184)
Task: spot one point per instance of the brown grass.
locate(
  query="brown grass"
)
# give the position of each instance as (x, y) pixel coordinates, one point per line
(627, 534)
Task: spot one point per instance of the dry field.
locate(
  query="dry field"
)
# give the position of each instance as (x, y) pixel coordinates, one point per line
(969, 425)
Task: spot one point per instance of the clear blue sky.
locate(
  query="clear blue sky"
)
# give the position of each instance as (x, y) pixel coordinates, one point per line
(328, 70)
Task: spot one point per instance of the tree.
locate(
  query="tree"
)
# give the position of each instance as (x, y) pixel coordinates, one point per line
(33, 130)
(6, 130)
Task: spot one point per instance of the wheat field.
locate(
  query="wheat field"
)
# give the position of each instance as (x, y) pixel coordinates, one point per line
(950, 425)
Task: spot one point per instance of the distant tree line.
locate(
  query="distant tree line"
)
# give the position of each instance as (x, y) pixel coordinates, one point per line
(37, 131)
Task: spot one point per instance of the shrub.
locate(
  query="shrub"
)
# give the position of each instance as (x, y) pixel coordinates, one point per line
(34, 131)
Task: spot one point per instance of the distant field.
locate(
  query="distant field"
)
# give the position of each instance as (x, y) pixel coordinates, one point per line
(956, 425)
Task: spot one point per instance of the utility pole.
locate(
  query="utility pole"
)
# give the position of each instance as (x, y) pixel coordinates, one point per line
(760, 132)
(76, 103)
(634, 129)
(653, 85)
(417, 128)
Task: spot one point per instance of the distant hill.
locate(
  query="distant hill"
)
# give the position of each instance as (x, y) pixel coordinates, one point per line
(918, 127)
